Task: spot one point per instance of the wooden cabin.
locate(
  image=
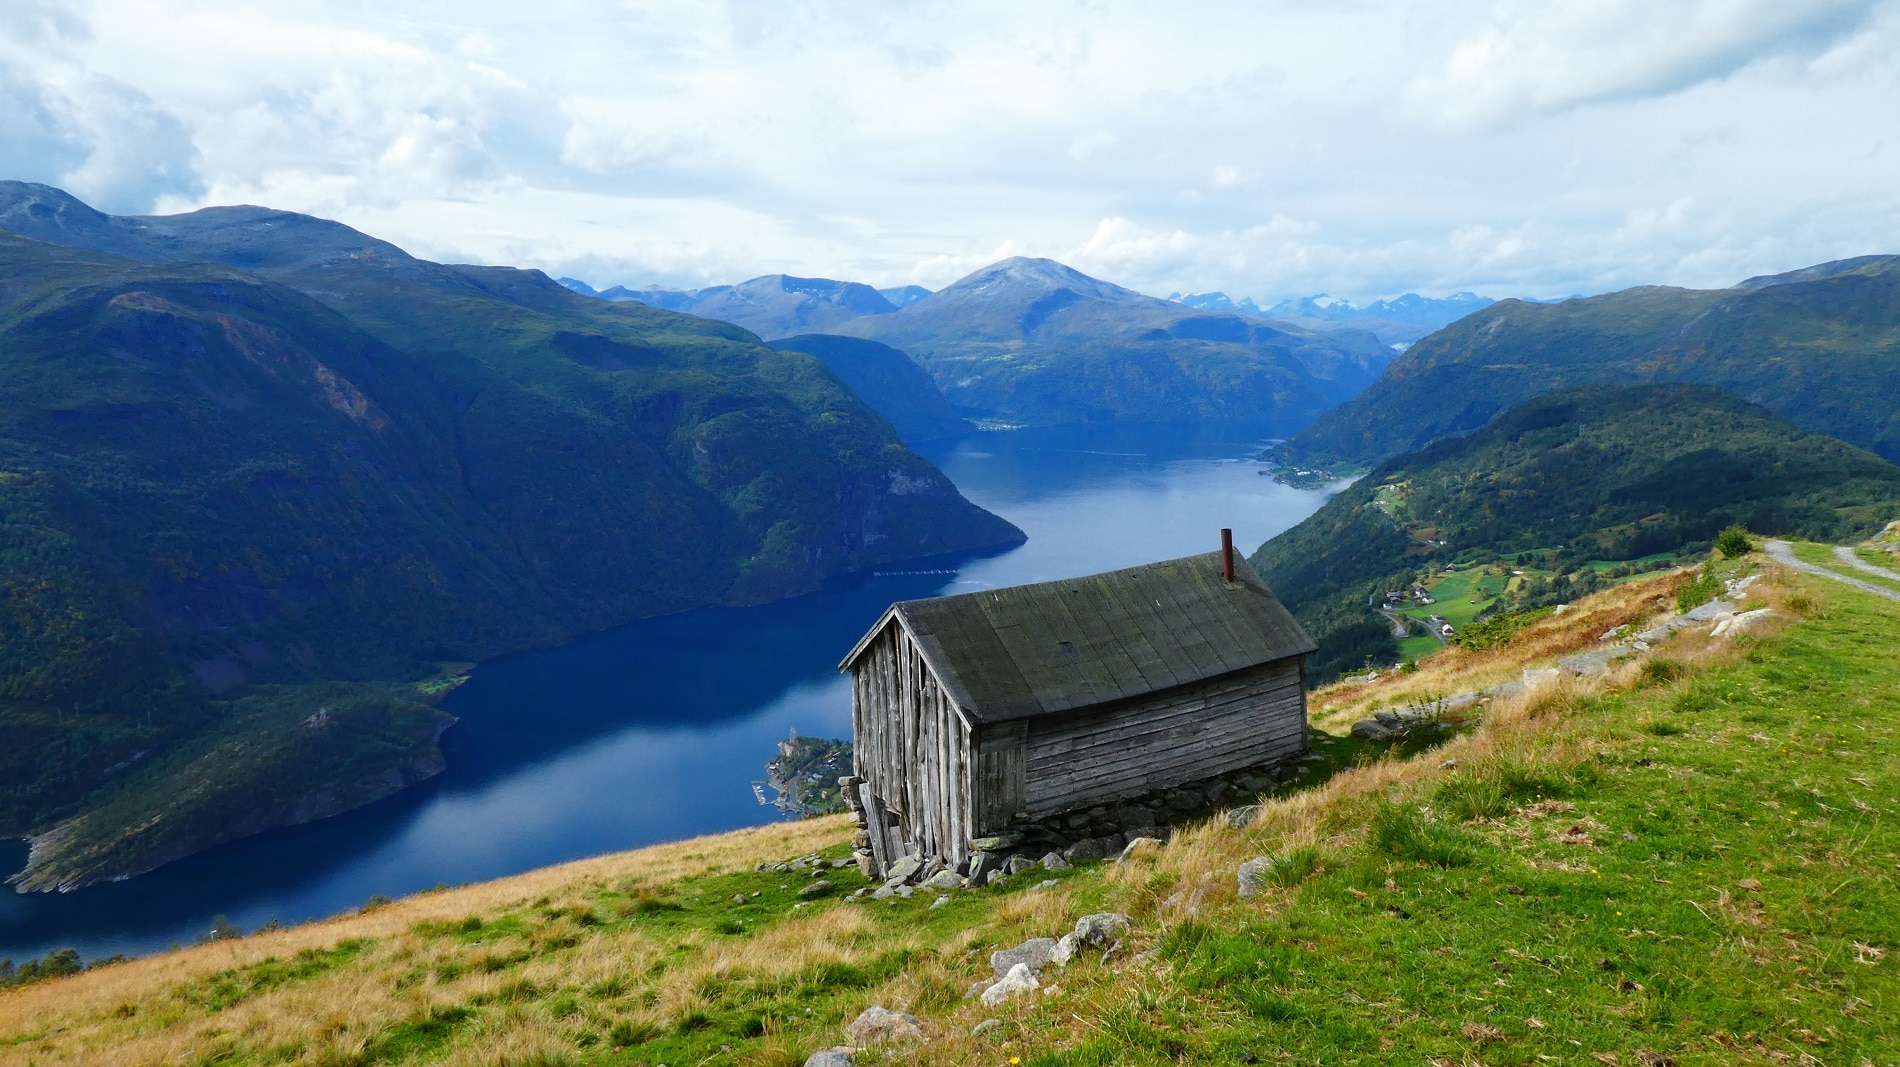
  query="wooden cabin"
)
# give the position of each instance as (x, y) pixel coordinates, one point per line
(1036, 700)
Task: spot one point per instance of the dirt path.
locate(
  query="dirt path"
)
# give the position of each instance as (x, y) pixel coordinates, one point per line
(1846, 555)
(1783, 553)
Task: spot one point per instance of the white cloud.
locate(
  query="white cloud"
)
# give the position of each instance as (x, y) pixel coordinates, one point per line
(1267, 149)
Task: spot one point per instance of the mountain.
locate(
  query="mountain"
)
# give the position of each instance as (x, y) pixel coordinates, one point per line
(1819, 351)
(776, 305)
(904, 295)
(1033, 341)
(265, 474)
(1580, 474)
(1400, 321)
(886, 379)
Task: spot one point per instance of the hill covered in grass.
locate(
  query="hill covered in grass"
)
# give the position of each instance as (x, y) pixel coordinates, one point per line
(1685, 860)
(1032, 341)
(1607, 473)
(268, 478)
(1817, 347)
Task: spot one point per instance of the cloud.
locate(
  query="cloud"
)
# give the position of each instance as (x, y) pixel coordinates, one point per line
(1555, 54)
(1269, 149)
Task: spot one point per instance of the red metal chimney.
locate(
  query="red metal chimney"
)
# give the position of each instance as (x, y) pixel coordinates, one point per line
(1227, 554)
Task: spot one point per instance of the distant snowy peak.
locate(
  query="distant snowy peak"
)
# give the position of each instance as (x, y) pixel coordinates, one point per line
(1217, 302)
(905, 295)
(1425, 311)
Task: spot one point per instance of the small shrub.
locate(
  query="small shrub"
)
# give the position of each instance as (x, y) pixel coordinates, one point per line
(1699, 590)
(1734, 542)
(627, 1034)
(1403, 833)
(1296, 865)
(1661, 670)
(1664, 728)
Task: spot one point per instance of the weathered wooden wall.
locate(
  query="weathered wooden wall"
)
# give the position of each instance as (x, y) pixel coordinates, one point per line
(1238, 720)
(913, 751)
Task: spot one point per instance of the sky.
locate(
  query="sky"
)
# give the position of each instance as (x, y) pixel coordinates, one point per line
(1362, 148)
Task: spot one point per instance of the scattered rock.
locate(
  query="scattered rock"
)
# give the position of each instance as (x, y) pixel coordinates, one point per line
(1137, 845)
(943, 880)
(1742, 623)
(831, 1057)
(983, 864)
(1018, 864)
(1242, 816)
(906, 891)
(1253, 875)
(1709, 612)
(1050, 884)
(1054, 862)
(880, 1026)
(987, 1024)
(1540, 675)
(1033, 952)
(884, 892)
(997, 842)
(996, 876)
(818, 888)
(903, 869)
(1089, 849)
(939, 902)
(841, 864)
(1019, 980)
(1102, 928)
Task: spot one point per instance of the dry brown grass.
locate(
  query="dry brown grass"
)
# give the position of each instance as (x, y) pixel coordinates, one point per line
(1456, 670)
(87, 1011)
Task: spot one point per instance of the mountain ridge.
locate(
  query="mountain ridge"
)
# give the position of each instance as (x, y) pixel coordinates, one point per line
(1820, 351)
(328, 462)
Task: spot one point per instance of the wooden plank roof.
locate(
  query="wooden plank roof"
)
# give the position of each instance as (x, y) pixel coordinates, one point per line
(1039, 649)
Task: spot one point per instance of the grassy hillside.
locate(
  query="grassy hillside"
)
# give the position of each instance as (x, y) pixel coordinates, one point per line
(1688, 860)
(275, 454)
(1593, 473)
(1032, 341)
(1817, 347)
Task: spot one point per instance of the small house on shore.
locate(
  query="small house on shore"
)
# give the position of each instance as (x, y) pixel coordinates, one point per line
(970, 711)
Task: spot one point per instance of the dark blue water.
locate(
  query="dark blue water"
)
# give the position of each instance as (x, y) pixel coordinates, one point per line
(655, 731)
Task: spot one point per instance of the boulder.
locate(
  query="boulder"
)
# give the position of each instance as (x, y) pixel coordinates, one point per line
(1101, 929)
(1375, 730)
(1742, 623)
(1054, 862)
(1019, 980)
(1137, 845)
(1710, 612)
(1093, 848)
(831, 1057)
(902, 870)
(1018, 864)
(1242, 816)
(1033, 952)
(818, 888)
(1253, 875)
(880, 1026)
(943, 880)
(983, 864)
(1008, 839)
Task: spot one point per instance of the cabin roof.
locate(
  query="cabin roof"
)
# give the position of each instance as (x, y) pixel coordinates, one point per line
(1030, 650)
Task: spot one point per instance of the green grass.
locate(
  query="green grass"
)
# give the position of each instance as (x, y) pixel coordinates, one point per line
(1719, 891)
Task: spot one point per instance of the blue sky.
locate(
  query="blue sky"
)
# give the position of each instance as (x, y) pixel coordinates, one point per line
(1361, 147)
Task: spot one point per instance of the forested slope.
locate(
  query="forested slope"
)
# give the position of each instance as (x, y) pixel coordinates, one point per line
(1590, 473)
(273, 453)
(1819, 347)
